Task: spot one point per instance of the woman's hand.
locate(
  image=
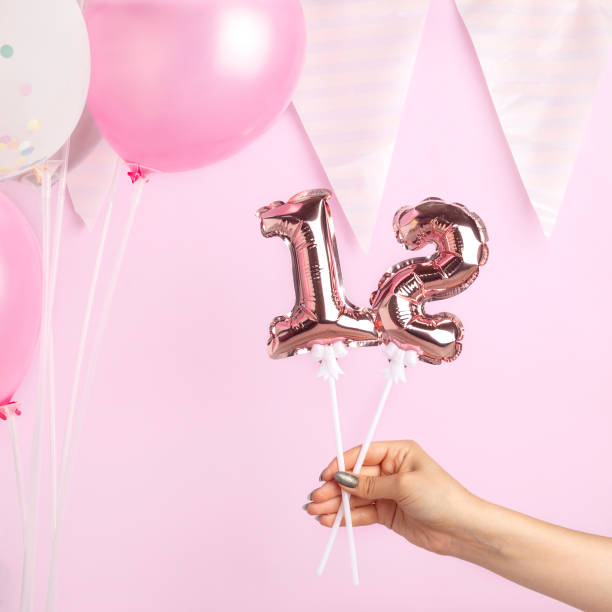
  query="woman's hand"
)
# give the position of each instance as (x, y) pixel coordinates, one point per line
(401, 487)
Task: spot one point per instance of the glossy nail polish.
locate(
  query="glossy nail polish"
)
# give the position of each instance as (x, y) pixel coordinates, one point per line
(346, 479)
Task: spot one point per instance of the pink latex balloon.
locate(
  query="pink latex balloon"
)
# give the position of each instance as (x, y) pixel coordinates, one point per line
(20, 297)
(178, 84)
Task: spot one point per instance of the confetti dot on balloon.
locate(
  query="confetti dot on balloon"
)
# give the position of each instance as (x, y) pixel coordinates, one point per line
(33, 125)
(25, 89)
(6, 51)
(2, 146)
(13, 145)
(28, 151)
(26, 144)
(5, 139)
(20, 161)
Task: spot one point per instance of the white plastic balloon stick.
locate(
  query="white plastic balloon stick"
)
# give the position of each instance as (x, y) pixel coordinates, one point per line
(356, 470)
(346, 498)
(398, 359)
(327, 356)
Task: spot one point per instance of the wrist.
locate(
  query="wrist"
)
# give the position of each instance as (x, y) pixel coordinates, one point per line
(477, 536)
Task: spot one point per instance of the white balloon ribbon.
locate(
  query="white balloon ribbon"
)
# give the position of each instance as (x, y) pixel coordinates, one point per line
(327, 356)
(399, 360)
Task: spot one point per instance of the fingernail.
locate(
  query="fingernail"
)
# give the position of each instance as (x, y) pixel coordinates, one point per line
(321, 475)
(318, 518)
(310, 495)
(346, 479)
(305, 506)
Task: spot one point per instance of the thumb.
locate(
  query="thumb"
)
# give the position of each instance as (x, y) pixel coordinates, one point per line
(370, 487)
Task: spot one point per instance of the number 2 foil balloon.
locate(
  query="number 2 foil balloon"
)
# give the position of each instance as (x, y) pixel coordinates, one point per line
(460, 239)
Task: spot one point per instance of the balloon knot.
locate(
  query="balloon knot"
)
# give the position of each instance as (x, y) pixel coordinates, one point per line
(10, 409)
(327, 355)
(137, 173)
(398, 360)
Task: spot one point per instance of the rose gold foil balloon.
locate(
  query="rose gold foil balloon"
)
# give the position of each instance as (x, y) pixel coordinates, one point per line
(321, 314)
(460, 237)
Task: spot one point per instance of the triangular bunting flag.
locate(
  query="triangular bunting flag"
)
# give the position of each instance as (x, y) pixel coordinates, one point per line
(542, 60)
(92, 166)
(352, 92)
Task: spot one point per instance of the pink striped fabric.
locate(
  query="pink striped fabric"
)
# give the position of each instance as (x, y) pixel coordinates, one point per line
(352, 92)
(542, 60)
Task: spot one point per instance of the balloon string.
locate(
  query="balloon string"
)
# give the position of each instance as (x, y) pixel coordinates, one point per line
(362, 455)
(18, 473)
(55, 246)
(35, 456)
(20, 491)
(341, 467)
(70, 437)
(52, 428)
(85, 326)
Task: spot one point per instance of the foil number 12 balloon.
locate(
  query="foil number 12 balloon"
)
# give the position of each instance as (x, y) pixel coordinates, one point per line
(322, 314)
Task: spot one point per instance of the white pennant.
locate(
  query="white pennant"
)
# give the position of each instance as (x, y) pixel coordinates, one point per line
(542, 60)
(89, 182)
(352, 92)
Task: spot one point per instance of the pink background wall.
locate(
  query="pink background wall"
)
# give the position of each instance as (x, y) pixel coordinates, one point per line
(197, 453)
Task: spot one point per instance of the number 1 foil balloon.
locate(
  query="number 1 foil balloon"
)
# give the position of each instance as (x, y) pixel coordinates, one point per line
(321, 314)
(322, 319)
(460, 239)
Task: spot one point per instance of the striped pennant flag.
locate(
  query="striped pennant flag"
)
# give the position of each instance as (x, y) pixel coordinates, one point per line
(352, 93)
(542, 60)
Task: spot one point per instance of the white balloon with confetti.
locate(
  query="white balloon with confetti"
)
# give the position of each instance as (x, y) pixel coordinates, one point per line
(44, 78)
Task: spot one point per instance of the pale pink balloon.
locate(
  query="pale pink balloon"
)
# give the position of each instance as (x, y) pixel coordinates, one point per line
(20, 297)
(178, 84)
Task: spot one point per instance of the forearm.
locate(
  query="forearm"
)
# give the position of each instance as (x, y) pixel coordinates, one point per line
(570, 566)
